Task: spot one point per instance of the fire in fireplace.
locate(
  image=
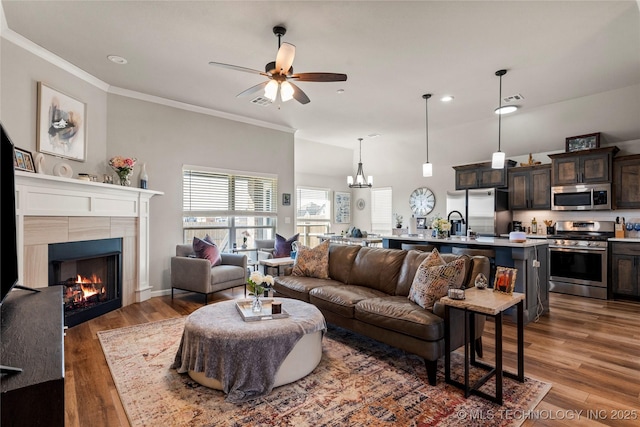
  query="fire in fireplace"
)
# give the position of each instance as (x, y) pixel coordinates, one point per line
(91, 273)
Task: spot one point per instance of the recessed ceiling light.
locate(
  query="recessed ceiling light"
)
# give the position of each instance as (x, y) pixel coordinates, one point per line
(446, 98)
(340, 91)
(506, 109)
(373, 135)
(117, 59)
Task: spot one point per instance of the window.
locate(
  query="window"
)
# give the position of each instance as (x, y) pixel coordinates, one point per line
(381, 210)
(231, 207)
(313, 218)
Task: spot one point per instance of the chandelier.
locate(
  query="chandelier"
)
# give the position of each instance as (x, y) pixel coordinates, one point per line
(359, 181)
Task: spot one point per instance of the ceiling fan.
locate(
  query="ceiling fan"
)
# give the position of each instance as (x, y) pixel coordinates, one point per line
(280, 74)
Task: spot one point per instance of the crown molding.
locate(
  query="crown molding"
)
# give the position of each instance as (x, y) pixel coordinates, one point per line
(54, 59)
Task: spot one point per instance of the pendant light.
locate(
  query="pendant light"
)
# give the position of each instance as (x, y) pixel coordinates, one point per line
(497, 160)
(427, 168)
(359, 181)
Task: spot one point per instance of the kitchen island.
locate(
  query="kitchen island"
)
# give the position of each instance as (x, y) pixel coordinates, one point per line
(529, 257)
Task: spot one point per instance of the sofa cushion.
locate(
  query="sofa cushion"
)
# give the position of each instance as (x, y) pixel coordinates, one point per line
(377, 268)
(341, 299)
(398, 314)
(341, 259)
(206, 249)
(432, 282)
(226, 273)
(299, 287)
(283, 245)
(312, 262)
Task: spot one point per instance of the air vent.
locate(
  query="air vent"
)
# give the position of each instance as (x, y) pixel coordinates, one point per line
(261, 100)
(513, 98)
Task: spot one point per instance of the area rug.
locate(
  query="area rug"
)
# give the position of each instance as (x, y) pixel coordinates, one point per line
(358, 382)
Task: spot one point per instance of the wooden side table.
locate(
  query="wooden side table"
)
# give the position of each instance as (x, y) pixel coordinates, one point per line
(490, 303)
(277, 263)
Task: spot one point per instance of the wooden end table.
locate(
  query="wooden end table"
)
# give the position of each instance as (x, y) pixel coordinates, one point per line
(277, 263)
(489, 303)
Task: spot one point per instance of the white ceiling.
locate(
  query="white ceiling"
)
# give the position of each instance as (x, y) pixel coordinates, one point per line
(392, 51)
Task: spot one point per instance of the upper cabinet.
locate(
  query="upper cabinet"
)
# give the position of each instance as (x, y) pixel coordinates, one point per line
(626, 179)
(530, 187)
(481, 175)
(582, 167)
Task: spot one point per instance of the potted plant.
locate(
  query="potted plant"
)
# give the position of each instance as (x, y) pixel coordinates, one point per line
(398, 221)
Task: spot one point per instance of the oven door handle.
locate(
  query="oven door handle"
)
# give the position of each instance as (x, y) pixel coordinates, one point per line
(579, 250)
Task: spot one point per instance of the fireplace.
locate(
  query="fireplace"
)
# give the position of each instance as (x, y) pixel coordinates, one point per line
(91, 274)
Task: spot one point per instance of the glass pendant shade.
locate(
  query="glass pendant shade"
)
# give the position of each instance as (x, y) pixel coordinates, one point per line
(497, 160)
(427, 169)
(286, 91)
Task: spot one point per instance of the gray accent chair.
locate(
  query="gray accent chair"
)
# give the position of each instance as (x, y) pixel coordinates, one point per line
(193, 274)
(265, 248)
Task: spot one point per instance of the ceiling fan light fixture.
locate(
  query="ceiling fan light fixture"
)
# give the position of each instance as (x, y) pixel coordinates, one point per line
(271, 90)
(286, 91)
(506, 109)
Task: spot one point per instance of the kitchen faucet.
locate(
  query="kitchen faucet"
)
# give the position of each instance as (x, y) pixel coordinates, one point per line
(458, 212)
(453, 231)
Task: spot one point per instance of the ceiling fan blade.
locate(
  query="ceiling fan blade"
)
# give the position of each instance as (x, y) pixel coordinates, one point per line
(299, 95)
(237, 68)
(253, 89)
(284, 59)
(319, 77)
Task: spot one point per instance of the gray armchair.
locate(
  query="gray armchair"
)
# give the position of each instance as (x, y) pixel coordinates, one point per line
(265, 248)
(197, 275)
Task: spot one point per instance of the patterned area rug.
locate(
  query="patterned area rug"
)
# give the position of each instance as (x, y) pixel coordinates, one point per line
(358, 382)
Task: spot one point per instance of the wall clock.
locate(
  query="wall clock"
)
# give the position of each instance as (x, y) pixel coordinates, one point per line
(422, 201)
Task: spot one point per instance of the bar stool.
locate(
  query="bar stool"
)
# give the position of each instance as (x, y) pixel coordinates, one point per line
(489, 253)
(423, 248)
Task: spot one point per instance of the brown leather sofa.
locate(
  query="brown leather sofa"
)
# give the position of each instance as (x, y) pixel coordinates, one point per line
(367, 293)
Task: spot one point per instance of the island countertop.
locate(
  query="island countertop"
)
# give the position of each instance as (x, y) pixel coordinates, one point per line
(480, 241)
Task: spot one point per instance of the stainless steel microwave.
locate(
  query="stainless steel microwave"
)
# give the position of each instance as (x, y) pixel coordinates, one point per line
(583, 197)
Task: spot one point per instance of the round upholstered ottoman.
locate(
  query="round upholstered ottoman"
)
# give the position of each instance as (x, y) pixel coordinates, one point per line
(217, 343)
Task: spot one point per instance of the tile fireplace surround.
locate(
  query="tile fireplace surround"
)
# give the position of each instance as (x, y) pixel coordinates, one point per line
(52, 209)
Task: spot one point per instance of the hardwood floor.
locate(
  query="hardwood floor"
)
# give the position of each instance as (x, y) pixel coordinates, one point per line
(588, 349)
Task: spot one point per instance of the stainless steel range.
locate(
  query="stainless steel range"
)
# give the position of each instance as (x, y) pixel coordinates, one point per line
(578, 256)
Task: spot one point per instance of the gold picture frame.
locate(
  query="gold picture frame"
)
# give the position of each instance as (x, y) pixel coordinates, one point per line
(505, 280)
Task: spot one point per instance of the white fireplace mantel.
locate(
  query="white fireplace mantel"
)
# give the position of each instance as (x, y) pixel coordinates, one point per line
(39, 195)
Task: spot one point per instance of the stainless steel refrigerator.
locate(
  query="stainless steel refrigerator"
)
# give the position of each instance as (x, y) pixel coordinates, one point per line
(486, 210)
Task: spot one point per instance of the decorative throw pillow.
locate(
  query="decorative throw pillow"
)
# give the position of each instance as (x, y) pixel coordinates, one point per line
(431, 283)
(206, 249)
(312, 262)
(283, 246)
(431, 260)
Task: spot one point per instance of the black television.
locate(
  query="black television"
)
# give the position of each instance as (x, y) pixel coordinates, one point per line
(9, 259)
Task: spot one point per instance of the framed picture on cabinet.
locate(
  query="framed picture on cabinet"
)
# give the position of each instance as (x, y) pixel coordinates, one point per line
(505, 280)
(23, 160)
(583, 142)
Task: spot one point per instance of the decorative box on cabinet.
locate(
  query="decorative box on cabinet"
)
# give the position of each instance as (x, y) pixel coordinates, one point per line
(626, 182)
(481, 175)
(625, 269)
(32, 339)
(530, 187)
(582, 167)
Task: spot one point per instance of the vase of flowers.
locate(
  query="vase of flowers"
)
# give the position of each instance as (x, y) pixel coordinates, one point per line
(124, 168)
(442, 227)
(257, 284)
(245, 236)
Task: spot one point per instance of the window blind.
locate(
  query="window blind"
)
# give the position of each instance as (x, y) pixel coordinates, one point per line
(211, 193)
(381, 210)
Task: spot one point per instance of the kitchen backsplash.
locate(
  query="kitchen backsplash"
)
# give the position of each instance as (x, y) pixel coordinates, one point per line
(630, 216)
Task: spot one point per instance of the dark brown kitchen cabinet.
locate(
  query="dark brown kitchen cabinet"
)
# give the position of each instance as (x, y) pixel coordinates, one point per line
(530, 187)
(582, 167)
(626, 182)
(481, 175)
(625, 269)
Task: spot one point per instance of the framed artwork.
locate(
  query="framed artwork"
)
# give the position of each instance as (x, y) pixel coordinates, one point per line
(286, 199)
(421, 223)
(583, 142)
(23, 160)
(62, 123)
(342, 207)
(505, 280)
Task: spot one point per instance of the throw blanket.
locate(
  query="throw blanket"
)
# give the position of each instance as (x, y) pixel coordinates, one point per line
(243, 356)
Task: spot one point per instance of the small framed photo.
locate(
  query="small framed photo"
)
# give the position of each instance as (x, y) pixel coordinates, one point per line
(23, 160)
(62, 124)
(583, 142)
(286, 199)
(505, 280)
(421, 223)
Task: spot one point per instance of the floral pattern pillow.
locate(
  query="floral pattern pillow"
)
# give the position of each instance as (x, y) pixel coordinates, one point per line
(432, 282)
(312, 262)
